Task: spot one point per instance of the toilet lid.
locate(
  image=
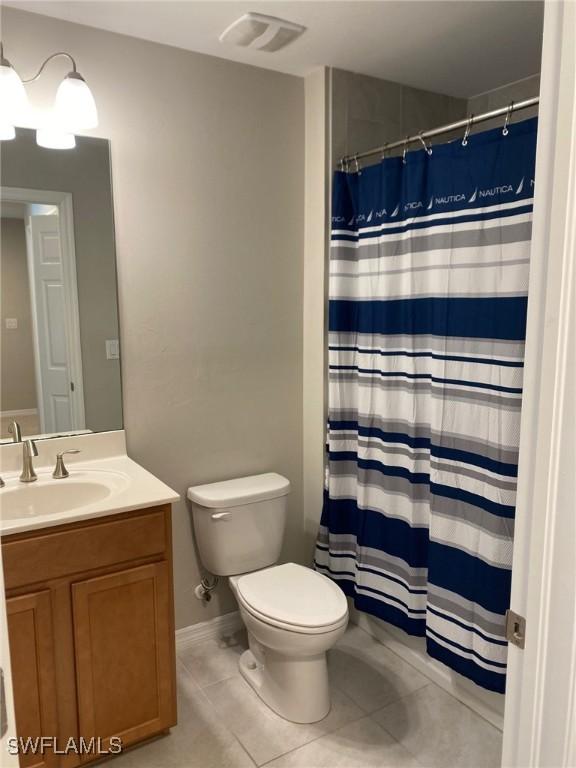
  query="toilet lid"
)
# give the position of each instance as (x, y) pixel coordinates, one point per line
(293, 595)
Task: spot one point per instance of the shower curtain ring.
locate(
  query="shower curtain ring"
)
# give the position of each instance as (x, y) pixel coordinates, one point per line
(404, 151)
(358, 171)
(427, 147)
(384, 148)
(505, 130)
(467, 131)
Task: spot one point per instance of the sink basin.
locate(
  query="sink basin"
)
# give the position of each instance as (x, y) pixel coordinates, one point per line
(102, 486)
(47, 496)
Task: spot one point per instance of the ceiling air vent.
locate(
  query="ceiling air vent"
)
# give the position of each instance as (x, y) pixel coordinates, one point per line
(266, 33)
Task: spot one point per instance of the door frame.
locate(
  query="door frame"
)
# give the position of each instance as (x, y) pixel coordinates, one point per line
(63, 201)
(540, 711)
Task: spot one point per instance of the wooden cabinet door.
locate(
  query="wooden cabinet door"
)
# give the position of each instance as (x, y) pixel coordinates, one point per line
(124, 645)
(33, 673)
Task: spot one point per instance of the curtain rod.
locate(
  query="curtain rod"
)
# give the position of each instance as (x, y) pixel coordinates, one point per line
(467, 123)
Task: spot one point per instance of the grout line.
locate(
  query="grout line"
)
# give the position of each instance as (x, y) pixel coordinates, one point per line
(364, 716)
(392, 701)
(502, 87)
(396, 740)
(403, 661)
(416, 692)
(200, 685)
(429, 679)
(220, 721)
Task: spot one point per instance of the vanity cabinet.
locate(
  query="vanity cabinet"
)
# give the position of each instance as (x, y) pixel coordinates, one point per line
(91, 631)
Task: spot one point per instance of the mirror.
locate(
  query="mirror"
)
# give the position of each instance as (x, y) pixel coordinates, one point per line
(59, 337)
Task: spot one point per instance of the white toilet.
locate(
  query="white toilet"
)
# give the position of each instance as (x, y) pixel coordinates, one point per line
(293, 614)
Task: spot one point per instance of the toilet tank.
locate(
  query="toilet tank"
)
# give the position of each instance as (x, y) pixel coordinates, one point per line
(239, 524)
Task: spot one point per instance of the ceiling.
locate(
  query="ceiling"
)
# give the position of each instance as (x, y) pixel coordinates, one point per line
(458, 47)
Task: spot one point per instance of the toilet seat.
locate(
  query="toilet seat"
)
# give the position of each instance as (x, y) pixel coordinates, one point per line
(293, 598)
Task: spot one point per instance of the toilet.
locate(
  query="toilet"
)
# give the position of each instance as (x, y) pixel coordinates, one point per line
(293, 614)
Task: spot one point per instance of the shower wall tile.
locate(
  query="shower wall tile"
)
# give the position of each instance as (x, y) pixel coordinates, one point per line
(369, 134)
(367, 112)
(339, 113)
(423, 109)
(372, 99)
(501, 97)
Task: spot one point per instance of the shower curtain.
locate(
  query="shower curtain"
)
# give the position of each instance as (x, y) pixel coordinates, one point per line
(427, 314)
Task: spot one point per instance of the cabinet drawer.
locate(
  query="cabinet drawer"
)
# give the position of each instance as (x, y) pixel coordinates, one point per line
(79, 547)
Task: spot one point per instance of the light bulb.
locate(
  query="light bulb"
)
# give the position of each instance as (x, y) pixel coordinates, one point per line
(54, 138)
(13, 99)
(7, 132)
(75, 108)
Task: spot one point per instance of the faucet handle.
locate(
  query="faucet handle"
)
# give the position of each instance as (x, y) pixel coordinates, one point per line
(60, 470)
(15, 431)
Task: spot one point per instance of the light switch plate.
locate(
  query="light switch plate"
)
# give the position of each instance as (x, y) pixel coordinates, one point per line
(112, 349)
(11, 323)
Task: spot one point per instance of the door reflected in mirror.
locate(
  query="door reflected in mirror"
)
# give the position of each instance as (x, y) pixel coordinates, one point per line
(59, 336)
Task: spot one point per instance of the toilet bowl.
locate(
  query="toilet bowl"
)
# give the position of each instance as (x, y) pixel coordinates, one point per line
(293, 614)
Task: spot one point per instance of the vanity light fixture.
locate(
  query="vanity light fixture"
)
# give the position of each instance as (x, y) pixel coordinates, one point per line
(74, 106)
(13, 99)
(7, 132)
(52, 138)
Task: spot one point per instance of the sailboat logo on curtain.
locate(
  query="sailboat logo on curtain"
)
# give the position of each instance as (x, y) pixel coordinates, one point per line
(427, 320)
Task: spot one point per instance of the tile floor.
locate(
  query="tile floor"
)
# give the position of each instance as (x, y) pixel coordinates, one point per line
(384, 713)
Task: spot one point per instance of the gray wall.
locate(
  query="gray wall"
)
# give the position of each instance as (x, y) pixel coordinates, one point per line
(366, 112)
(207, 159)
(17, 382)
(84, 172)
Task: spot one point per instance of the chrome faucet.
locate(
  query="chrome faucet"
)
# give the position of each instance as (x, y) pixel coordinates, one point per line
(29, 450)
(15, 431)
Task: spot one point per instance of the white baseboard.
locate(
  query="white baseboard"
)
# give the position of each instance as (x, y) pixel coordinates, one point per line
(488, 705)
(24, 412)
(208, 630)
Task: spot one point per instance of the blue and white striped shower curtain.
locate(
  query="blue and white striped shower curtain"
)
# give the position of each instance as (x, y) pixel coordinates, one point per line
(427, 314)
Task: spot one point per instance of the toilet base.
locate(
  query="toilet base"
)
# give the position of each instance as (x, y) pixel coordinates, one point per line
(296, 688)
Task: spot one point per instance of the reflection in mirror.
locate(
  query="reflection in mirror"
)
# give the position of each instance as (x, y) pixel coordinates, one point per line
(59, 334)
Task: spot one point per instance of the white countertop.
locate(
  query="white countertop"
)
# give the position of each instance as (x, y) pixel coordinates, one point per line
(97, 487)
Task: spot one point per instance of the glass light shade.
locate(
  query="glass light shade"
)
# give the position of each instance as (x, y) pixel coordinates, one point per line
(7, 132)
(75, 108)
(13, 99)
(53, 138)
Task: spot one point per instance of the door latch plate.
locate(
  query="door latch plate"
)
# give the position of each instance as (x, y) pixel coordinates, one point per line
(515, 628)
